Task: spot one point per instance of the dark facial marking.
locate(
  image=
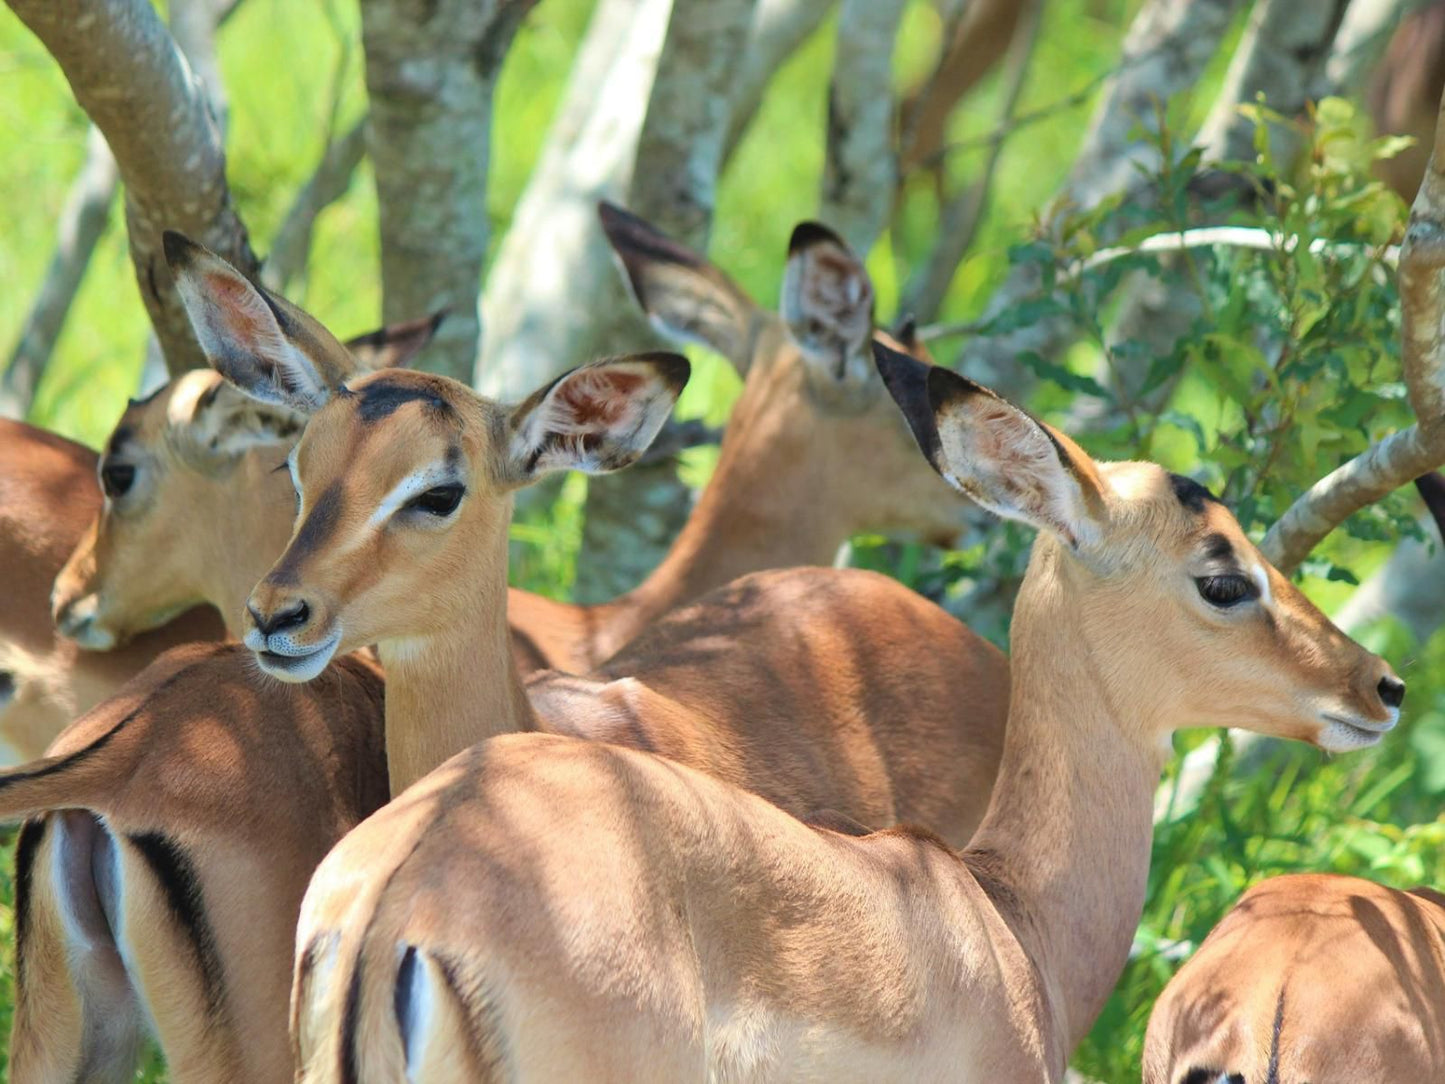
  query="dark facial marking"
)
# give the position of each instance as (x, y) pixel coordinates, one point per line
(318, 526)
(1217, 547)
(1191, 494)
(122, 434)
(381, 398)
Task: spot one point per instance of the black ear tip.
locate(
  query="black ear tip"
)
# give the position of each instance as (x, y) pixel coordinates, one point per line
(674, 369)
(436, 318)
(946, 387)
(906, 331)
(617, 220)
(179, 248)
(894, 365)
(808, 234)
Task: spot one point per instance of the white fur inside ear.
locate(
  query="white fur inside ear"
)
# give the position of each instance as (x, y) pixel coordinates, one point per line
(240, 337)
(827, 307)
(1005, 461)
(594, 419)
(222, 420)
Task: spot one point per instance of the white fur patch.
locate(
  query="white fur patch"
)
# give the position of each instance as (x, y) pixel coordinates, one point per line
(413, 485)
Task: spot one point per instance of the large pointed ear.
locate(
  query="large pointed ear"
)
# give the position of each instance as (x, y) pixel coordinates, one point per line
(685, 297)
(596, 418)
(395, 345)
(216, 421)
(1006, 460)
(827, 303)
(240, 329)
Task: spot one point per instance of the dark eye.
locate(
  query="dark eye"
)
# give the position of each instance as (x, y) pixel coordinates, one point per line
(116, 479)
(1225, 591)
(438, 501)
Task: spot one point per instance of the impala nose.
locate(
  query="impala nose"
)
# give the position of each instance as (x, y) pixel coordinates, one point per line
(293, 616)
(1392, 691)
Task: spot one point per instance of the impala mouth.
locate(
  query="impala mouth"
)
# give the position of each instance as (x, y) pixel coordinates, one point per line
(297, 663)
(1343, 733)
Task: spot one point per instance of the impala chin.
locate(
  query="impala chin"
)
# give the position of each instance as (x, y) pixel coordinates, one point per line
(292, 662)
(1344, 732)
(80, 621)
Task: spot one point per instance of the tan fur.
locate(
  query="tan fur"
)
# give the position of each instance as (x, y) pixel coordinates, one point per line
(1404, 94)
(1329, 978)
(48, 499)
(251, 781)
(603, 914)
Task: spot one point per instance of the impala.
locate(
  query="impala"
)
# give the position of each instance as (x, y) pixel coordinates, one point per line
(48, 497)
(198, 512)
(546, 909)
(1310, 978)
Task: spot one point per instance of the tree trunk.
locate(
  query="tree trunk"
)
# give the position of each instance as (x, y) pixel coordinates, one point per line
(130, 78)
(431, 68)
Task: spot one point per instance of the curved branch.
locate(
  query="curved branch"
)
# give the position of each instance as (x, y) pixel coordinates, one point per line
(779, 28)
(130, 78)
(292, 244)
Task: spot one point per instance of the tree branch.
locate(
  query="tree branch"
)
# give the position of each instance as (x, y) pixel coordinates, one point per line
(129, 77)
(82, 222)
(291, 247)
(860, 170)
(1420, 449)
(779, 28)
(430, 73)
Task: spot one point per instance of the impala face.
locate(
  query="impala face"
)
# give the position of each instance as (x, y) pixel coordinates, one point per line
(173, 472)
(1160, 571)
(811, 396)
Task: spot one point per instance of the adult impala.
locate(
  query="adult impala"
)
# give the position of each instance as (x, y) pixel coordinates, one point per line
(1310, 978)
(546, 909)
(48, 497)
(198, 511)
(831, 762)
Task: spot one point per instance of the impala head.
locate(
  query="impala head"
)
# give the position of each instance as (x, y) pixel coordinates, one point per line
(169, 471)
(404, 479)
(811, 394)
(1189, 625)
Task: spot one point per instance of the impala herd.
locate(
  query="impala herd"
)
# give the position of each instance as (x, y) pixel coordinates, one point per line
(437, 829)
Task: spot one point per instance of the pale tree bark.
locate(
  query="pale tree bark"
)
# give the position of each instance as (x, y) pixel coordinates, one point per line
(82, 222)
(291, 247)
(540, 304)
(632, 517)
(779, 28)
(431, 69)
(128, 75)
(860, 170)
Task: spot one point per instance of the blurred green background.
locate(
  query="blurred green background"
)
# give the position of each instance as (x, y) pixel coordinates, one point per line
(293, 74)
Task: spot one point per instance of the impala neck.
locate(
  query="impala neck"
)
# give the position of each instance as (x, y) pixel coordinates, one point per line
(759, 510)
(1067, 836)
(456, 686)
(245, 537)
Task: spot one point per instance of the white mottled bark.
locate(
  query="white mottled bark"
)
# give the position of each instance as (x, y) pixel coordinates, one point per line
(130, 78)
(82, 222)
(860, 169)
(431, 69)
(540, 302)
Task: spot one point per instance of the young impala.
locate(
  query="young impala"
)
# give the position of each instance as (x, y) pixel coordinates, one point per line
(1310, 978)
(546, 909)
(48, 498)
(198, 512)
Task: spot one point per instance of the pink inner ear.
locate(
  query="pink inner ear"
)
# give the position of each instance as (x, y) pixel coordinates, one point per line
(238, 307)
(597, 398)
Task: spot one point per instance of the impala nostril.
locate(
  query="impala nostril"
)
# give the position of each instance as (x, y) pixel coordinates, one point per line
(1392, 691)
(289, 618)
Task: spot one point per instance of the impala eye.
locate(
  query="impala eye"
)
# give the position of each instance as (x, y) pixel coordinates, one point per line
(1225, 591)
(116, 479)
(439, 501)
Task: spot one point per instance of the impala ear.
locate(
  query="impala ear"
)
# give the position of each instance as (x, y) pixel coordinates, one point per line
(685, 297)
(217, 420)
(1006, 460)
(395, 345)
(241, 329)
(827, 303)
(596, 418)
